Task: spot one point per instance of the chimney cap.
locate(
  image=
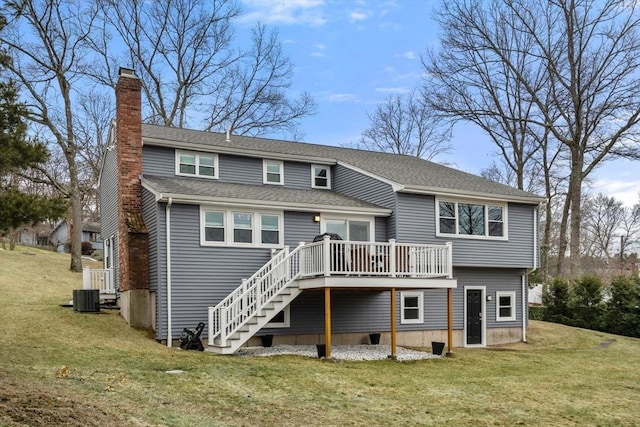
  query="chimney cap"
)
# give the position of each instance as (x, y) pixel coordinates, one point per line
(127, 72)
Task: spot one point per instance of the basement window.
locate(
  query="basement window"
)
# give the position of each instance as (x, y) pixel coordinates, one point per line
(505, 306)
(411, 307)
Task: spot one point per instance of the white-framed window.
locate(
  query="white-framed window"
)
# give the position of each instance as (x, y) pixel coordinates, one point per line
(471, 219)
(242, 227)
(320, 176)
(280, 320)
(190, 163)
(411, 307)
(273, 172)
(505, 306)
(214, 226)
(356, 229)
(221, 227)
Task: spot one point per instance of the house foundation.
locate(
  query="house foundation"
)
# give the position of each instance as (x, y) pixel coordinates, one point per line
(136, 308)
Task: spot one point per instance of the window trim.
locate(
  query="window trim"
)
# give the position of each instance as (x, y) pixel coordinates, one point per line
(280, 164)
(412, 294)
(486, 204)
(197, 154)
(513, 306)
(256, 229)
(313, 176)
(287, 320)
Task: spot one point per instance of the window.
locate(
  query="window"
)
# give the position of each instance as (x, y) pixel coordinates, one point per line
(242, 228)
(223, 227)
(197, 164)
(350, 229)
(320, 176)
(270, 229)
(496, 227)
(214, 226)
(411, 307)
(280, 320)
(273, 171)
(505, 306)
(471, 219)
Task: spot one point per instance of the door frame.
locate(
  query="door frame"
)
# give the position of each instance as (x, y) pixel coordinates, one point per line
(483, 308)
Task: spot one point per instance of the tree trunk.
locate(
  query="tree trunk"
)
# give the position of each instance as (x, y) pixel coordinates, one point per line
(562, 235)
(575, 195)
(76, 231)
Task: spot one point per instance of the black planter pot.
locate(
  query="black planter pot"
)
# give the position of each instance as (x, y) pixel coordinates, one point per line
(437, 347)
(374, 339)
(322, 350)
(267, 340)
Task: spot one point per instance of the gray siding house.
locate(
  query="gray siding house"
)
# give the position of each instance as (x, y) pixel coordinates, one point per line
(242, 234)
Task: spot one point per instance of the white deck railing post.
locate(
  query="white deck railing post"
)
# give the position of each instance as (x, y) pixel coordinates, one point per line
(86, 278)
(392, 257)
(223, 326)
(450, 260)
(326, 255)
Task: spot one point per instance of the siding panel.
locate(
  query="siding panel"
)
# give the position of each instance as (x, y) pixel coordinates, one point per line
(355, 184)
(417, 224)
(158, 161)
(240, 170)
(297, 175)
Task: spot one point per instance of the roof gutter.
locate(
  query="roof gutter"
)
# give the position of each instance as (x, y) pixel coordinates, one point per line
(438, 191)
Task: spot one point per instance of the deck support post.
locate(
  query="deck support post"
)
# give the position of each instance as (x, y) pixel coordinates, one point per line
(450, 320)
(393, 323)
(327, 321)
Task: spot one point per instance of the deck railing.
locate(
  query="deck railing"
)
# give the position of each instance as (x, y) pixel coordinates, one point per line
(391, 259)
(101, 279)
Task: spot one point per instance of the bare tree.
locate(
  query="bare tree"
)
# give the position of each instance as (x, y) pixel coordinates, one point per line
(46, 41)
(603, 218)
(406, 124)
(574, 61)
(192, 73)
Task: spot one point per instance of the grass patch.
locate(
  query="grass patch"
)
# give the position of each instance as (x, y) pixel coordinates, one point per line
(61, 367)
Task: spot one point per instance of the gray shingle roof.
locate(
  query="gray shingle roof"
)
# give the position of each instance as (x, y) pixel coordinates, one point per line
(270, 195)
(412, 172)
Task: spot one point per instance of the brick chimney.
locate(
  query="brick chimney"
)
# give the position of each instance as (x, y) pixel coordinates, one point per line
(133, 238)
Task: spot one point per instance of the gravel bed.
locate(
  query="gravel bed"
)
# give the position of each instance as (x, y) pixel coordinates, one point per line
(338, 352)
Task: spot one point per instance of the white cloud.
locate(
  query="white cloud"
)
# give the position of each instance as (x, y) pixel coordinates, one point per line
(393, 90)
(289, 12)
(359, 15)
(626, 191)
(409, 55)
(342, 97)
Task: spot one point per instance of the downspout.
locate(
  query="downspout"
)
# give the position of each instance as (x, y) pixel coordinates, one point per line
(524, 308)
(168, 233)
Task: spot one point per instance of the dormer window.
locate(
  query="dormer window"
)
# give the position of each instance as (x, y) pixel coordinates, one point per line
(273, 172)
(320, 176)
(196, 164)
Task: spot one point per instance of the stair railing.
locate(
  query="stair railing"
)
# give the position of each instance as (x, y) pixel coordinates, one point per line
(250, 298)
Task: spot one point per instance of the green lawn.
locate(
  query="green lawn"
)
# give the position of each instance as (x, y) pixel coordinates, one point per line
(60, 367)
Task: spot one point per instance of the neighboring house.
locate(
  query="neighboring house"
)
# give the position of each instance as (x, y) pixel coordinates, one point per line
(36, 235)
(59, 237)
(535, 295)
(206, 227)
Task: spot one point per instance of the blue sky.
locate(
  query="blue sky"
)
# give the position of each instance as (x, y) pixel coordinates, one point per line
(351, 54)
